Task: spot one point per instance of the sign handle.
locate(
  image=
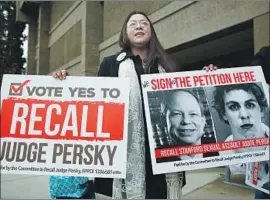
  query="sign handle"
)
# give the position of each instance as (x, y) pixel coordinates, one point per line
(174, 185)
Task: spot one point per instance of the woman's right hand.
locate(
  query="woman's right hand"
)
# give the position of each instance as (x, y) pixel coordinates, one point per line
(61, 75)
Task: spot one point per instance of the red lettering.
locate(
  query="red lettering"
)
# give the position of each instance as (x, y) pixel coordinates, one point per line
(182, 82)
(153, 83)
(252, 76)
(206, 148)
(163, 83)
(255, 173)
(243, 77)
(62, 120)
(197, 80)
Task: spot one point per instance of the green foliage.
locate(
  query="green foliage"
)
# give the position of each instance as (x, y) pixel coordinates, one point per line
(11, 39)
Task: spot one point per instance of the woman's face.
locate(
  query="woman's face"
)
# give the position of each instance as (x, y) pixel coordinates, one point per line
(243, 113)
(138, 30)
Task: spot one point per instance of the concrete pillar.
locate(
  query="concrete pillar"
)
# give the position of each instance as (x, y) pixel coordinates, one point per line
(261, 31)
(92, 32)
(43, 38)
(31, 39)
(31, 54)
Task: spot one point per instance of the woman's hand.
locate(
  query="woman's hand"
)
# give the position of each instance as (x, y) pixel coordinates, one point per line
(61, 75)
(210, 67)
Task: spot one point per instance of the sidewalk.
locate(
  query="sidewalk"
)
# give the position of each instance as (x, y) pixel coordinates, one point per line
(201, 184)
(220, 190)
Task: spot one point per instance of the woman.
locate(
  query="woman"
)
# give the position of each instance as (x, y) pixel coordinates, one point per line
(141, 53)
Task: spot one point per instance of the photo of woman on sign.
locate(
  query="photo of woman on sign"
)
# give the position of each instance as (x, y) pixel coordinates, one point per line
(242, 107)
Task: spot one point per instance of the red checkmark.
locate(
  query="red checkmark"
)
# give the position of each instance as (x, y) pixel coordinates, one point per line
(16, 90)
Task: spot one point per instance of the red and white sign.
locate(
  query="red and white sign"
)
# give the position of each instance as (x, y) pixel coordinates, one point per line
(257, 176)
(200, 119)
(76, 127)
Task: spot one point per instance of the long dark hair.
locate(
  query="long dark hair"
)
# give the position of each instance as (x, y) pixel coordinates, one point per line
(156, 51)
(220, 91)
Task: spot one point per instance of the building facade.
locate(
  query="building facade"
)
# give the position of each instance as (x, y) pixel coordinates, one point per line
(77, 35)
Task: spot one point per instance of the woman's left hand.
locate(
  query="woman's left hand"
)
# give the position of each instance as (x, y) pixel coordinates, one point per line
(210, 67)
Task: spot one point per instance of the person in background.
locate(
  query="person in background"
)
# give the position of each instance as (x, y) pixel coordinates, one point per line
(71, 187)
(262, 58)
(141, 53)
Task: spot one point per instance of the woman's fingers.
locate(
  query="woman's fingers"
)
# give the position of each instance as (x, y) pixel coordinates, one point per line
(54, 75)
(210, 67)
(61, 75)
(206, 68)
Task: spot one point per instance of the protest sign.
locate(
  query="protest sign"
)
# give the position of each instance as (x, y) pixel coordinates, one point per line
(76, 127)
(258, 176)
(205, 119)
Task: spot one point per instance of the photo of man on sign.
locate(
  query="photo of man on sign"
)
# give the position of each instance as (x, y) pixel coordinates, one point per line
(187, 121)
